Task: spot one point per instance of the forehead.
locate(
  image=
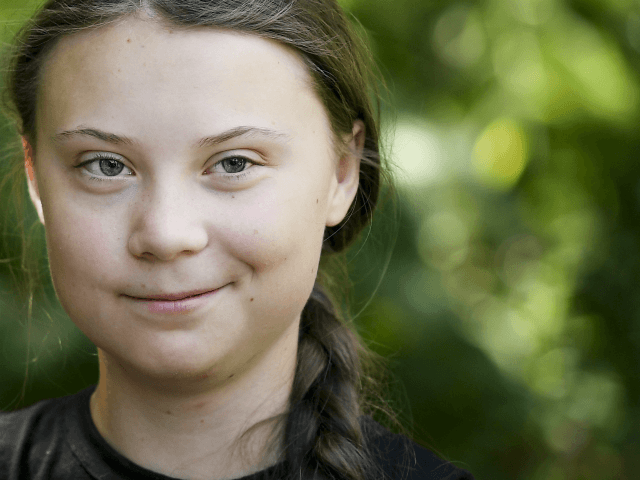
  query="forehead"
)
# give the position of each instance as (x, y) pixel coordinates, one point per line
(162, 74)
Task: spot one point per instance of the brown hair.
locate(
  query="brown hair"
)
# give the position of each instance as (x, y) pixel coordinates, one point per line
(322, 431)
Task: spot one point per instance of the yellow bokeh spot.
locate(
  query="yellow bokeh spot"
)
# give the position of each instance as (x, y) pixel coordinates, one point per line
(500, 154)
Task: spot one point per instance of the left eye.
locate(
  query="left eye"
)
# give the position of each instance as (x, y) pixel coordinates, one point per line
(233, 164)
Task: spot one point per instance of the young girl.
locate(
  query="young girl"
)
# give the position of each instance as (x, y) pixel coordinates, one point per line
(191, 162)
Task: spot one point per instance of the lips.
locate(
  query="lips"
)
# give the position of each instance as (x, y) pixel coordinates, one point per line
(173, 297)
(183, 303)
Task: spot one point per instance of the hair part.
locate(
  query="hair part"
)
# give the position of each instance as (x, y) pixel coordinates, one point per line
(322, 433)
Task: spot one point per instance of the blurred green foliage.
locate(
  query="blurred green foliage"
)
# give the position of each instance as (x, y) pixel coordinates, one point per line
(510, 308)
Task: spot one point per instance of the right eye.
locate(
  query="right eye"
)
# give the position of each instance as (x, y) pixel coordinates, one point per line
(103, 166)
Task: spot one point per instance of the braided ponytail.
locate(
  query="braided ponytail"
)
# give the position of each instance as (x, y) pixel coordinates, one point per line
(323, 436)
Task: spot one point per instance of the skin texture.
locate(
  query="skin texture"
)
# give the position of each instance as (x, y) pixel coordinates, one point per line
(176, 390)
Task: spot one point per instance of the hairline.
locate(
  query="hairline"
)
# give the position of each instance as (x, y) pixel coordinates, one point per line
(146, 12)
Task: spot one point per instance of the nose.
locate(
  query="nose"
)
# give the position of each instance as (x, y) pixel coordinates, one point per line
(167, 224)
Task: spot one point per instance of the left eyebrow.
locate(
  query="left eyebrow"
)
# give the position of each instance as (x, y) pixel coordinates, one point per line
(240, 132)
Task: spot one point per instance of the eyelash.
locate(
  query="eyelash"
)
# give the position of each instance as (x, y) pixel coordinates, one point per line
(96, 159)
(239, 175)
(106, 178)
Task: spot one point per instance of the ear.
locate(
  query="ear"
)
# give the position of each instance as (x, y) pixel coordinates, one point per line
(32, 183)
(347, 177)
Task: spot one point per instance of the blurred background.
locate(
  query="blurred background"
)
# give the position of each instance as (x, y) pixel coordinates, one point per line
(510, 306)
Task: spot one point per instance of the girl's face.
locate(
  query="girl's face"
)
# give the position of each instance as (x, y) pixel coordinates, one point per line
(171, 163)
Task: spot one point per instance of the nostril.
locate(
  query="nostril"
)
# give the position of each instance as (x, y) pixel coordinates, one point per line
(147, 256)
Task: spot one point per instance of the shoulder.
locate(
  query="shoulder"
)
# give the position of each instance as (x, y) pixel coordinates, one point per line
(399, 458)
(28, 422)
(33, 440)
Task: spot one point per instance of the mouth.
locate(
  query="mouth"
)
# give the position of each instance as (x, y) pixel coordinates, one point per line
(172, 297)
(181, 303)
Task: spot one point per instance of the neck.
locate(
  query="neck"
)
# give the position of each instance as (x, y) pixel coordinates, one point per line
(194, 427)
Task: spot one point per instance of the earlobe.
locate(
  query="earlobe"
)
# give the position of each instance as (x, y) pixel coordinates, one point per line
(32, 183)
(347, 175)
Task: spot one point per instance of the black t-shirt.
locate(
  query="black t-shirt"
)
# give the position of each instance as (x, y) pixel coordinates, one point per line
(57, 440)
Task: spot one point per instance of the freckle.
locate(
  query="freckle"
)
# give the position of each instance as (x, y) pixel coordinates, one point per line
(233, 196)
(317, 200)
(252, 299)
(168, 412)
(119, 70)
(234, 373)
(128, 40)
(201, 421)
(144, 285)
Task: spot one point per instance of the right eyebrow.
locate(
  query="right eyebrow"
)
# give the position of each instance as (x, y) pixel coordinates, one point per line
(95, 133)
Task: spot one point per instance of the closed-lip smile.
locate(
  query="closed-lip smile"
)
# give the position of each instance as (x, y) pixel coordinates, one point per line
(175, 303)
(172, 297)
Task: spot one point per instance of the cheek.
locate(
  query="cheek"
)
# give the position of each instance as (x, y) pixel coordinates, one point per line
(82, 246)
(271, 231)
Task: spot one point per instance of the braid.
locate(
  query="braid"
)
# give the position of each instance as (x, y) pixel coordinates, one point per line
(323, 436)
